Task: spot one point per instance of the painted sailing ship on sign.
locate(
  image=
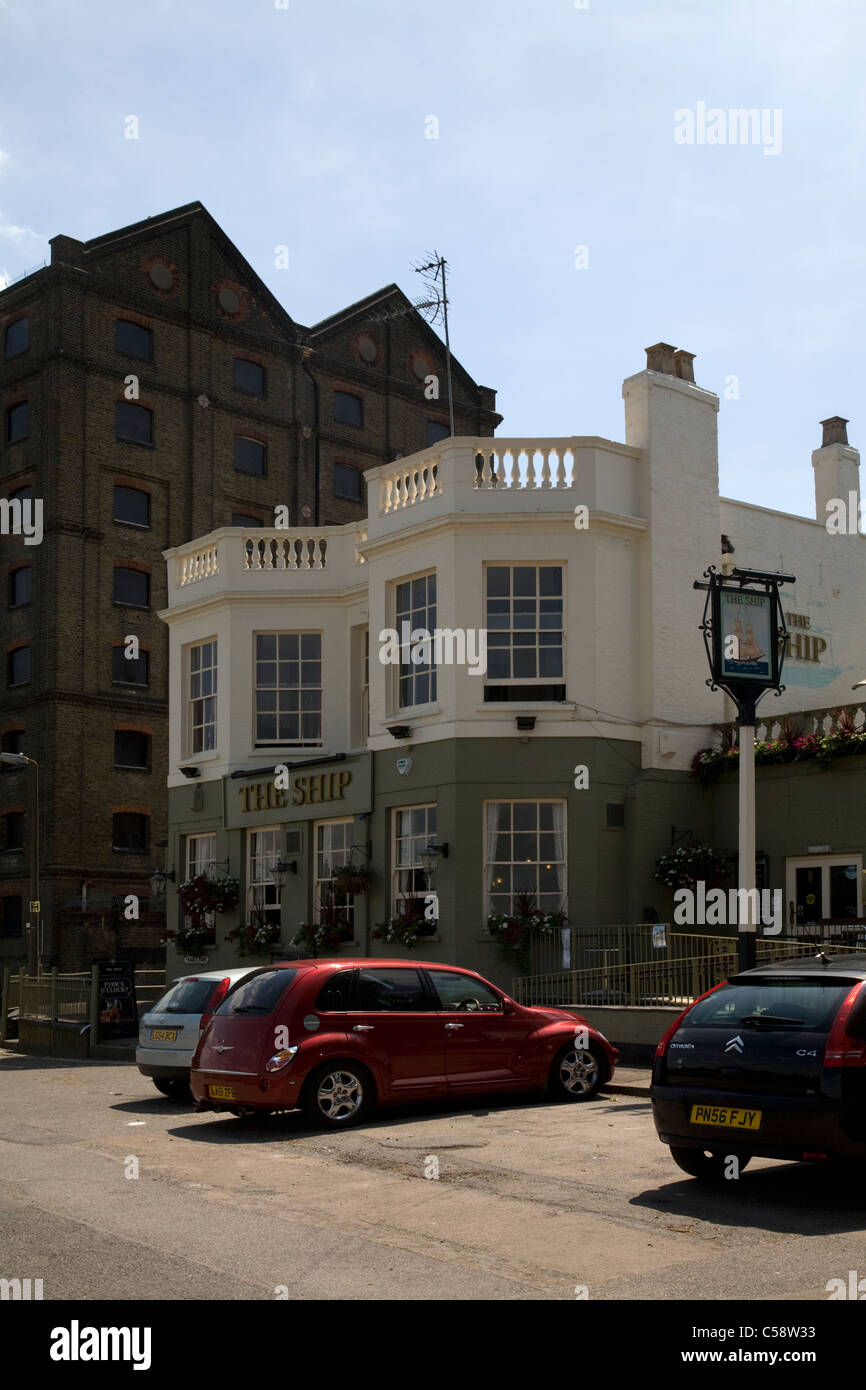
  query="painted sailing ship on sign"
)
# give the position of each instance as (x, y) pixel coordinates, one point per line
(746, 635)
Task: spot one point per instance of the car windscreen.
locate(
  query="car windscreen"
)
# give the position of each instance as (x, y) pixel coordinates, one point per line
(810, 1005)
(186, 997)
(260, 994)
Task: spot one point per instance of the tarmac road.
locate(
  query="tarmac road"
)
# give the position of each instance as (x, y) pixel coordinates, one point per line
(532, 1201)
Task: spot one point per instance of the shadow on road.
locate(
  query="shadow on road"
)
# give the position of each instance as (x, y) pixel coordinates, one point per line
(807, 1199)
(209, 1128)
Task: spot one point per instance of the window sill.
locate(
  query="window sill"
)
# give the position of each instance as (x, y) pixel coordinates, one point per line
(510, 706)
(139, 607)
(131, 525)
(142, 443)
(131, 767)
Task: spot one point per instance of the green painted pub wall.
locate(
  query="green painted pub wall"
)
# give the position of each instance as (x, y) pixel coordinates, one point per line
(610, 871)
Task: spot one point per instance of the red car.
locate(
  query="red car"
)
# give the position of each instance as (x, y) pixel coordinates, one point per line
(335, 1037)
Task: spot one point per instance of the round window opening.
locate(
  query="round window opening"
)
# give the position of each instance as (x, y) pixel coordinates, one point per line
(228, 300)
(367, 348)
(161, 276)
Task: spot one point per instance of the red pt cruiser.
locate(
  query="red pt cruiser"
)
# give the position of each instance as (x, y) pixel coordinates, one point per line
(335, 1037)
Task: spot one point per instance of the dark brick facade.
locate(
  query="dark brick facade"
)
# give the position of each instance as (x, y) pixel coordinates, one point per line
(180, 277)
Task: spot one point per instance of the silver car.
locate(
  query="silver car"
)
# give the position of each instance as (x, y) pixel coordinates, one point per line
(168, 1034)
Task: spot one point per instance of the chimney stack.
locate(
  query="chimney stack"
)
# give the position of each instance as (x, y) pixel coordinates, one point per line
(685, 363)
(670, 361)
(835, 431)
(837, 471)
(661, 358)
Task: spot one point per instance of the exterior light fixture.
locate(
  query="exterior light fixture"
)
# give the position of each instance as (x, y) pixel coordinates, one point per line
(158, 879)
(280, 871)
(429, 856)
(525, 721)
(400, 731)
(191, 771)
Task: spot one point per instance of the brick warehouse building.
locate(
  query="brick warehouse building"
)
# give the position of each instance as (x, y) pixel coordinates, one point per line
(234, 410)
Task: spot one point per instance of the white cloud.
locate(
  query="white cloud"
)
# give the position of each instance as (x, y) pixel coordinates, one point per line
(17, 234)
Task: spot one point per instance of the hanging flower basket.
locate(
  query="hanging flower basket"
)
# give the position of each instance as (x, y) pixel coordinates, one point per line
(202, 895)
(693, 863)
(352, 878)
(515, 932)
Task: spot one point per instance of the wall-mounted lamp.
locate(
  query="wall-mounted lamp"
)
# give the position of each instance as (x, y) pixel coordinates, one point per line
(280, 871)
(430, 856)
(158, 879)
(400, 731)
(191, 771)
(525, 721)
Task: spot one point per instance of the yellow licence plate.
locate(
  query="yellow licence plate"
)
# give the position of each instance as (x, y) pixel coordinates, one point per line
(221, 1092)
(163, 1034)
(723, 1115)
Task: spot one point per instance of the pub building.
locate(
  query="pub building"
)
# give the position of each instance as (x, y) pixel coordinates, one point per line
(495, 686)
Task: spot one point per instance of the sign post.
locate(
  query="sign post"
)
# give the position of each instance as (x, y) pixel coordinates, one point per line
(744, 637)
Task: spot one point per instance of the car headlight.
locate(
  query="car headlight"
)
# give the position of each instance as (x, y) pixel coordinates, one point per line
(280, 1059)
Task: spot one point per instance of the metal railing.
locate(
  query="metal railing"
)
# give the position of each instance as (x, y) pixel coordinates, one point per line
(676, 974)
(584, 947)
(67, 998)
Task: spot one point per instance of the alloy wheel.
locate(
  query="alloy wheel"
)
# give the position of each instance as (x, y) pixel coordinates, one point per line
(340, 1096)
(578, 1071)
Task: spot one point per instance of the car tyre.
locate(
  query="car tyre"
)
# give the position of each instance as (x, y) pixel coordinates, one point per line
(577, 1072)
(175, 1090)
(698, 1163)
(337, 1094)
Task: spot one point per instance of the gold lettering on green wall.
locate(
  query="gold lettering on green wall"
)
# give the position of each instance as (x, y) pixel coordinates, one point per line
(310, 789)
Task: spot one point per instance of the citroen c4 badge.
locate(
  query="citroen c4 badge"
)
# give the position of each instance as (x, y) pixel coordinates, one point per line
(734, 1044)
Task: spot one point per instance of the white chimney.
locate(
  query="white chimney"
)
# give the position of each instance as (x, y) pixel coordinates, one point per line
(837, 471)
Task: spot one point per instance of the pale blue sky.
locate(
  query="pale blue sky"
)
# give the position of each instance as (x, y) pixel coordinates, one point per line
(305, 126)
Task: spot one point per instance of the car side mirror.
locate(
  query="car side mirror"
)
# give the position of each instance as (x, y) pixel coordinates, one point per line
(507, 1006)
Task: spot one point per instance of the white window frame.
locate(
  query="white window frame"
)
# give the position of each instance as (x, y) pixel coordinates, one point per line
(191, 700)
(431, 668)
(261, 889)
(300, 742)
(526, 680)
(398, 896)
(486, 864)
(196, 865)
(338, 856)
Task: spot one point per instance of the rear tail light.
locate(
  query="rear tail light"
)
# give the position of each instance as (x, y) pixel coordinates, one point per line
(214, 1002)
(280, 1059)
(842, 1050)
(660, 1050)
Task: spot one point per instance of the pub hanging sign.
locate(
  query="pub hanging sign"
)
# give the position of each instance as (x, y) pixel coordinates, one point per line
(744, 633)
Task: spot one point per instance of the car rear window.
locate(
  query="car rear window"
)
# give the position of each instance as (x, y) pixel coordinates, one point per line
(260, 994)
(186, 997)
(808, 1004)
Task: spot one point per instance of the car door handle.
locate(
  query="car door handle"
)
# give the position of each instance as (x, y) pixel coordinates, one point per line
(363, 1028)
(453, 1025)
